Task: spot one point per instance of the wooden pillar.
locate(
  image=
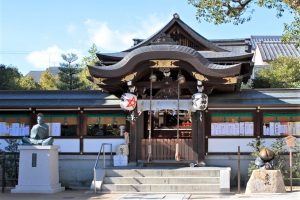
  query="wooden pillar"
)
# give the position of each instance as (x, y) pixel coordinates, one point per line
(195, 135)
(136, 134)
(198, 135)
(139, 135)
(132, 141)
(201, 136)
(32, 118)
(258, 123)
(82, 128)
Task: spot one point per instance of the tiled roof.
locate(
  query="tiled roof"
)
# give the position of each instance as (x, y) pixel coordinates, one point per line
(206, 54)
(54, 70)
(57, 99)
(98, 99)
(257, 97)
(272, 50)
(176, 20)
(36, 75)
(266, 38)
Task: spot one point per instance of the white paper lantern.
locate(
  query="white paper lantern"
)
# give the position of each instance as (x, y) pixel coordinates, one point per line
(128, 101)
(200, 101)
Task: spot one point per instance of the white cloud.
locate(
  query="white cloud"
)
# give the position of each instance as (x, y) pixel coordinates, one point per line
(49, 57)
(108, 39)
(100, 33)
(151, 25)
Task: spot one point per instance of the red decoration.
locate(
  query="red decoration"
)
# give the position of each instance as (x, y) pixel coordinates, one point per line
(131, 102)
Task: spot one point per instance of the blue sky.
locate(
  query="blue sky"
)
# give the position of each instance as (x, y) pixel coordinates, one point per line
(34, 33)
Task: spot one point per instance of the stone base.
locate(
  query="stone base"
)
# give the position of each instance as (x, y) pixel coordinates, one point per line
(38, 170)
(38, 189)
(265, 181)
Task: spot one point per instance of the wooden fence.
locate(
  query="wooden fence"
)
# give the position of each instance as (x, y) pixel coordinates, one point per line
(164, 149)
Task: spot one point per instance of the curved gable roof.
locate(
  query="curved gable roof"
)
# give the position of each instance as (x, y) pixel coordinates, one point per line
(178, 52)
(177, 21)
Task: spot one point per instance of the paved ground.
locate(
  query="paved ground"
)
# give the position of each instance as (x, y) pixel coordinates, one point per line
(87, 195)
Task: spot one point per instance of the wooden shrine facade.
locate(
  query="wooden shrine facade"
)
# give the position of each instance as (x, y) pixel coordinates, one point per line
(182, 63)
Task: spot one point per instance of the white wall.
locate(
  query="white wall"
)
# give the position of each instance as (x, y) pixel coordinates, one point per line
(68, 145)
(229, 145)
(93, 145)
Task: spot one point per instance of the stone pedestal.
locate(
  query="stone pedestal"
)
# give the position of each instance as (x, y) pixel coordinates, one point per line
(38, 170)
(265, 181)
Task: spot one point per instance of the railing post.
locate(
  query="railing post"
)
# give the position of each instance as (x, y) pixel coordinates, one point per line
(104, 163)
(3, 173)
(102, 148)
(95, 188)
(111, 157)
(239, 170)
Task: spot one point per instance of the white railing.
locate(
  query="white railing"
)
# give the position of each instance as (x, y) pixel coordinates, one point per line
(102, 149)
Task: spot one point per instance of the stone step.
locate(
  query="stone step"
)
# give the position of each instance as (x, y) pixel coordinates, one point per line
(161, 180)
(162, 173)
(172, 188)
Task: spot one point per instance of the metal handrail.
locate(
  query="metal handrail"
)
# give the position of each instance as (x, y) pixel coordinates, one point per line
(102, 148)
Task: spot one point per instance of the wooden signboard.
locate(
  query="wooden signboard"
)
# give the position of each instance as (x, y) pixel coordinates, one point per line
(291, 142)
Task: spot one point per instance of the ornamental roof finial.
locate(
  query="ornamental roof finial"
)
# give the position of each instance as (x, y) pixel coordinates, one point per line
(175, 15)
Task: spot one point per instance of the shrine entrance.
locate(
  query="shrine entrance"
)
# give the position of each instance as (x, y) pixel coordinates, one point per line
(164, 140)
(165, 111)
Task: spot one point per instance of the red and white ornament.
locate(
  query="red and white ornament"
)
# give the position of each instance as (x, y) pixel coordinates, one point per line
(128, 101)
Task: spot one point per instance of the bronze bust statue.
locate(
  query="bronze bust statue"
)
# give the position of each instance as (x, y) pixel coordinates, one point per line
(265, 159)
(39, 134)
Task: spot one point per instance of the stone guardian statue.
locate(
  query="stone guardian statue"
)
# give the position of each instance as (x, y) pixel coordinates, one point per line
(39, 134)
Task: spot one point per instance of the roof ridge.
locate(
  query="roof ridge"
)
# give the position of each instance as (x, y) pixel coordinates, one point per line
(291, 42)
(176, 19)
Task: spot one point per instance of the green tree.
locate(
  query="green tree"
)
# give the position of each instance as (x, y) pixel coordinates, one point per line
(240, 11)
(28, 83)
(48, 81)
(280, 159)
(283, 72)
(91, 59)
(69, 73)
(9, 77)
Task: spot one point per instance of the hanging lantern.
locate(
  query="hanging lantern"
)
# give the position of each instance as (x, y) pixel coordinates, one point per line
(128, 101)
(200, 101)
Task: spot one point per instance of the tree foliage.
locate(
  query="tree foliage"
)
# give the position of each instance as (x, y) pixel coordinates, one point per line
(48, 81)
(69, 73)
(28, 83)
(9, 77)
(12, 79)
(240, 11)
(91, 59)
(283, 72)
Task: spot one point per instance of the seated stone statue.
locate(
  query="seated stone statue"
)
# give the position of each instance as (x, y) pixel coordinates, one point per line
(39, 134)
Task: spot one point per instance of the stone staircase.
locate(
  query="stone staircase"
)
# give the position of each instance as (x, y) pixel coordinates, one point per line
(158, 180)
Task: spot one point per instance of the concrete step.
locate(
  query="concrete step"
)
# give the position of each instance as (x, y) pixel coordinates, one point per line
(167, 180)
(161, 180)
(181, 172)
(172, 188)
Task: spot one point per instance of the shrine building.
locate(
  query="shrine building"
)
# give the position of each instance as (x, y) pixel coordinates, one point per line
(181, 103)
